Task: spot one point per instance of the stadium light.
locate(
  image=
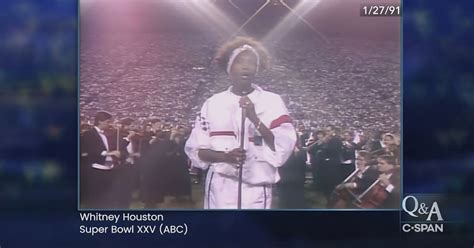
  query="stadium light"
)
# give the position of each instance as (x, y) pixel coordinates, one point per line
(238, 8)
(251, 17)
(206, 11)
(291, 19)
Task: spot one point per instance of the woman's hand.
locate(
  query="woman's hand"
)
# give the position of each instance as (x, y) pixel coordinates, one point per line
(266, 133)
(236, 156)
(246, 103)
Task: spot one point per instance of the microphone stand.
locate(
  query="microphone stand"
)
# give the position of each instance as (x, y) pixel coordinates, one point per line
(241, 164)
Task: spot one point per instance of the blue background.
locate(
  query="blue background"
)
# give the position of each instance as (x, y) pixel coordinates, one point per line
(38, 123)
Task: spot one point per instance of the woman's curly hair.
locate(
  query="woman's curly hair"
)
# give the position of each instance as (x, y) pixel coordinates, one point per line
(223, 53)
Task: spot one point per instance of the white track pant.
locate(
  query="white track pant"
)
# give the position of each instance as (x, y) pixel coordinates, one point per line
(222, 192)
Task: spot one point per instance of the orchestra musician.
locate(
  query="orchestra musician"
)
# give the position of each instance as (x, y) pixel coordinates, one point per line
(375, 142)
(99, 154)
(291, 185)
(178, 180)
(84, 126)
(348, 154)
(146, 135)
(303, 135)
(390, 148)
(362, 166)
(154, 165)
(125, 172)
(330, 167)
(385, 191)
(314, 150)
(356, 183)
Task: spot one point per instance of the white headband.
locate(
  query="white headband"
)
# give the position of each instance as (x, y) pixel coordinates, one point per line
(238, 51)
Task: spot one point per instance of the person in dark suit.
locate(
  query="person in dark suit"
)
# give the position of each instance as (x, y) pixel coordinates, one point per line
(153, 168)
(303, 135)
(146, 138)
(314, 150)
(375, 142)
(330, 168)
(291, 184)
(348, 154)
(178, 180)
(97, 161)
(126, 171)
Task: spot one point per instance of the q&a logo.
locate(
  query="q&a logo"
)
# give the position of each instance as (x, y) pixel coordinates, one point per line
(418, 210)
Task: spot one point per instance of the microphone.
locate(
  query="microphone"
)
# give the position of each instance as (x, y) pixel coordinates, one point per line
(242, 139)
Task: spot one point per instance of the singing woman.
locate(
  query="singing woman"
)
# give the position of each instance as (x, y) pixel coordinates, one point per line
(268, 140)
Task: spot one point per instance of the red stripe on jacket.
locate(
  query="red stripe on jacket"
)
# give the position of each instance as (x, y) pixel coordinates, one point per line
(222, 133)
(280, 120)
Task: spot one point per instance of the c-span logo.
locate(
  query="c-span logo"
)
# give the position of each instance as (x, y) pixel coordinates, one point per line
(421, 216)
